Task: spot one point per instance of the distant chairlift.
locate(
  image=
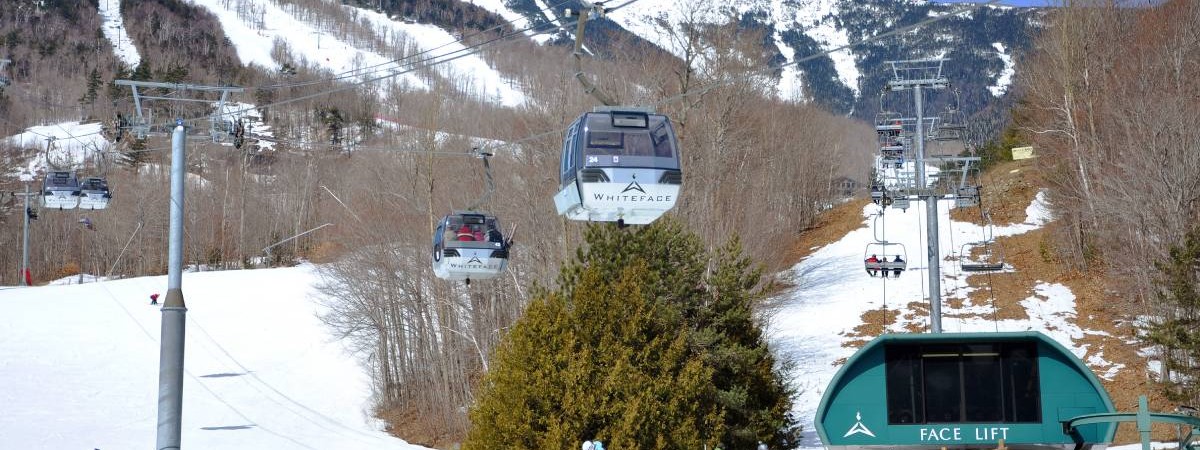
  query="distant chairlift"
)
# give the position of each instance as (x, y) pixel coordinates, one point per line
(60, 190)
(900, 199)
(879, 195)
(884, 257)
(951, 123)
(619, 164)
(94, 193)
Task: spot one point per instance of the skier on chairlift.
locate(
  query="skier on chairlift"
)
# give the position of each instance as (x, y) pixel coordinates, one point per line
(870, 268)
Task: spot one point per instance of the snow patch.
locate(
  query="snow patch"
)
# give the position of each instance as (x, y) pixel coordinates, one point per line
(262, 371)
(254, 25)
(518, 20)
(471, 73)
(114, 29)
(73, 144)
(1006, 74)
(822, 27)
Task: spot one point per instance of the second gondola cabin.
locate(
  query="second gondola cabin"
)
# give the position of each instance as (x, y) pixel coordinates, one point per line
(467, 246)
(619, 164)
(60, 190)
(94, 193)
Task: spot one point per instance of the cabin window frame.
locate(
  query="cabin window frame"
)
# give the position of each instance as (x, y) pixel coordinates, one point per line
(912, 400)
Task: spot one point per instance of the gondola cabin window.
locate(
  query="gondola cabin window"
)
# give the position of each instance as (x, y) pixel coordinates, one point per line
(972, 383)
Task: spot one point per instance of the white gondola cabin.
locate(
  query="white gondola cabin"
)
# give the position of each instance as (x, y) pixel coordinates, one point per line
(884, 257)
(469, 245)
(619, 164)
(60, 190)
(94, 193)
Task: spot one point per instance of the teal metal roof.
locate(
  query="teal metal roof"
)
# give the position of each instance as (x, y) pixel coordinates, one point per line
(1067, 388)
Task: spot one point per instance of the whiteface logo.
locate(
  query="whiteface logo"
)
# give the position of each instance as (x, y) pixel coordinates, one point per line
(858, 427)
(633, 186)
(474, 259)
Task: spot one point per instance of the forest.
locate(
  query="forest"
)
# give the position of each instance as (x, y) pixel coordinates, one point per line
(1108, 97)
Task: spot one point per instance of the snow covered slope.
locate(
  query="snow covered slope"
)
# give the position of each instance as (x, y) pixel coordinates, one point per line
(114, 30)
(79, 367)
(72, 143)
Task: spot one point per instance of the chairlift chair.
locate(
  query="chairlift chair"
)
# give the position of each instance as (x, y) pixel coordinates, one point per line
(991, 261)
(879, 195)
(885, 254)
(966, 196)
(619, 164)
(94, 193)
(469, 245)
(60, 190)
(900, 199)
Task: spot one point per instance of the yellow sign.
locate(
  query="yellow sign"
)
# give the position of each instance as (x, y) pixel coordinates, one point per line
(1020, 153)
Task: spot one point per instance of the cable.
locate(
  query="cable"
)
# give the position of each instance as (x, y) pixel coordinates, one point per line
(715, 85)
(353, 72)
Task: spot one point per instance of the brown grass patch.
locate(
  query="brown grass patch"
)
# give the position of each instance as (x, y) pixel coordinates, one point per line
(830, 227)
(414, 428)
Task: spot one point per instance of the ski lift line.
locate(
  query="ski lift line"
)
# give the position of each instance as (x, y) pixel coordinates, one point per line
(701, 91)
(380, 67)
(477, 49)
(491, 185)
(268, 248)
(435, 61)
(356, 71)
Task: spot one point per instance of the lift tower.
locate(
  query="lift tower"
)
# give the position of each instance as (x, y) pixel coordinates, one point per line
(918, 76)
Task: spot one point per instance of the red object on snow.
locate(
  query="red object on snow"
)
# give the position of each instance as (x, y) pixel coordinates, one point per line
(28, 278)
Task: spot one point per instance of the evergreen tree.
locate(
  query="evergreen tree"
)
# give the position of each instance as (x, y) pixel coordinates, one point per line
(686, 297)
(93, 88)
(1178, 329)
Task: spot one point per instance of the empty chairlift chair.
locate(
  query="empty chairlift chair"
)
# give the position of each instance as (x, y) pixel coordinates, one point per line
(900, 199)
(619, 164)
(966, 196)
(94, 193)
(60, 190)
(990, 261)
(469, 245)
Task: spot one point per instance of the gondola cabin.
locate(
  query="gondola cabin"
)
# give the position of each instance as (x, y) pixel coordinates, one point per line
(619, 165)
(94, 193)
(60, 190)
(962, 391)
(469, 246)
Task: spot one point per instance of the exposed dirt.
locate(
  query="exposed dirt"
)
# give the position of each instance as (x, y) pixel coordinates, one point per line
(1008, 190)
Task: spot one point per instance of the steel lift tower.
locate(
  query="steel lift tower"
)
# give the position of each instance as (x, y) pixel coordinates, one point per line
(919, 76)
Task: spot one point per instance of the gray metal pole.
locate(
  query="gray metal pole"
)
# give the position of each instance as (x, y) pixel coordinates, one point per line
(174, 312)
(25, 241)
(931, 219)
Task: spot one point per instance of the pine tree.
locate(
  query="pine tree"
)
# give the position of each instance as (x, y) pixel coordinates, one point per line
(93, 88)
(1178, 330)
(701, 302)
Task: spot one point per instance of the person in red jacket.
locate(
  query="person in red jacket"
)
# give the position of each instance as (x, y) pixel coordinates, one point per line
(154, 299)
(871, 270)
(465, 234)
